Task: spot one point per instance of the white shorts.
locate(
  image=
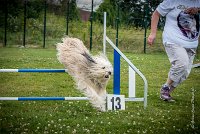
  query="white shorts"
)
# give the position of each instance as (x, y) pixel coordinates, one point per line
(181, 60)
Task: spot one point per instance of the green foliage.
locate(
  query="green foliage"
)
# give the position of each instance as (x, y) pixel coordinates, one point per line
(61, 8)
(153, 4)
(14, 23)
(15, 13)
(152, 7)
(130, 38)
(15, 7)
(132, 13)
(73, 11)
(109, 7)
(34, 8)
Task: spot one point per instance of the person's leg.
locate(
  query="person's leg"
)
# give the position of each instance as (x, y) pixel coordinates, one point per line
(169, 81)
(191, 54)
(181, 60)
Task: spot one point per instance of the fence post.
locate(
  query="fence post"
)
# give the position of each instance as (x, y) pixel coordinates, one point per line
(6, 16)
(24, 39)
(145, 25)
(117, 23)
(67, 17)
(91, 17)
(44, 32)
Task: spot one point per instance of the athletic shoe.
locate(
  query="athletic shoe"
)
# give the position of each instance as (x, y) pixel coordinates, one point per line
(164, 93)
(171, 89)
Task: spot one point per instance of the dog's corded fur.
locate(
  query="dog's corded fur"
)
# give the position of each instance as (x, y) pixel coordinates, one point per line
(91, 73)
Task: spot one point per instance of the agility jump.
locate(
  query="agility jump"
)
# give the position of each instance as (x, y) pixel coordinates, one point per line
(132, 69)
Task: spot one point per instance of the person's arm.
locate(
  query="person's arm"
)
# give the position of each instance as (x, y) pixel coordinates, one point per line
(154, 23)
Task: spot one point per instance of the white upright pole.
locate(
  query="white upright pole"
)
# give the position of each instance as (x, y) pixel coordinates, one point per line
(131, 88)
(104, 34)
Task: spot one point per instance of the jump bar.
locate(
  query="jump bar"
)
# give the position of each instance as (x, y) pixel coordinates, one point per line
(196, 65)
(33, 70)
(41, 98)
(55, 98)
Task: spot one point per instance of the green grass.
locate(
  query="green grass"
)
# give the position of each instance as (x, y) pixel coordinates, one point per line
(79, 116)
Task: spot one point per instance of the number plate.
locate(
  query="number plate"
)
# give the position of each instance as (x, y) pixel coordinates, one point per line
(115, 102)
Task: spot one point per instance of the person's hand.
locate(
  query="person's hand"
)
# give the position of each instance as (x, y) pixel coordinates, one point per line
(192, 10)
(151, 39)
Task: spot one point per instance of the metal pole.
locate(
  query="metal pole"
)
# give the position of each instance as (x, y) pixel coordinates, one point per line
(33, 70)
(104, 33)
(24, 39)
(91, 17)
(145, 25)
(44, 32)
(6, 16)
(117, 22)
(42, 98)
(67, 16)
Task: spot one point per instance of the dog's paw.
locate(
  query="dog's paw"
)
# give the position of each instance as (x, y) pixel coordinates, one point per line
(102, 108)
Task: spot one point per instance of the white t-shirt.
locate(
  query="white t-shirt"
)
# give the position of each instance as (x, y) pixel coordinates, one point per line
(180, 27)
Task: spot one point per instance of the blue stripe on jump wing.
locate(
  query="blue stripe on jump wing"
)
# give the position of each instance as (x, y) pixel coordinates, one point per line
(42, 70)
(116, 81)
(40, 98)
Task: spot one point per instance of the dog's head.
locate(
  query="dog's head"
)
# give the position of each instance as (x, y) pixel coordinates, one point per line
(100, 68)
(103, 67)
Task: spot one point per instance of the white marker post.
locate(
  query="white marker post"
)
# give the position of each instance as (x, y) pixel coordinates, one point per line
(115, 102)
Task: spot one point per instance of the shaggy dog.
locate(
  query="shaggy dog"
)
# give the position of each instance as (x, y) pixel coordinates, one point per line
(91, 73)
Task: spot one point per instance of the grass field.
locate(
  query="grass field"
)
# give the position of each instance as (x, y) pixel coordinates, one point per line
(182, 116)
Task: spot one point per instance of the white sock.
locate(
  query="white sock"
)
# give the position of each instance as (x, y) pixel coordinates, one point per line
(166, 85)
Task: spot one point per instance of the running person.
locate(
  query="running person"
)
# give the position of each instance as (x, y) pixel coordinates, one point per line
(180, 39)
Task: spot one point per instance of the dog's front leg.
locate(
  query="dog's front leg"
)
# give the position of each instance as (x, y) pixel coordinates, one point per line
(96, 100)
